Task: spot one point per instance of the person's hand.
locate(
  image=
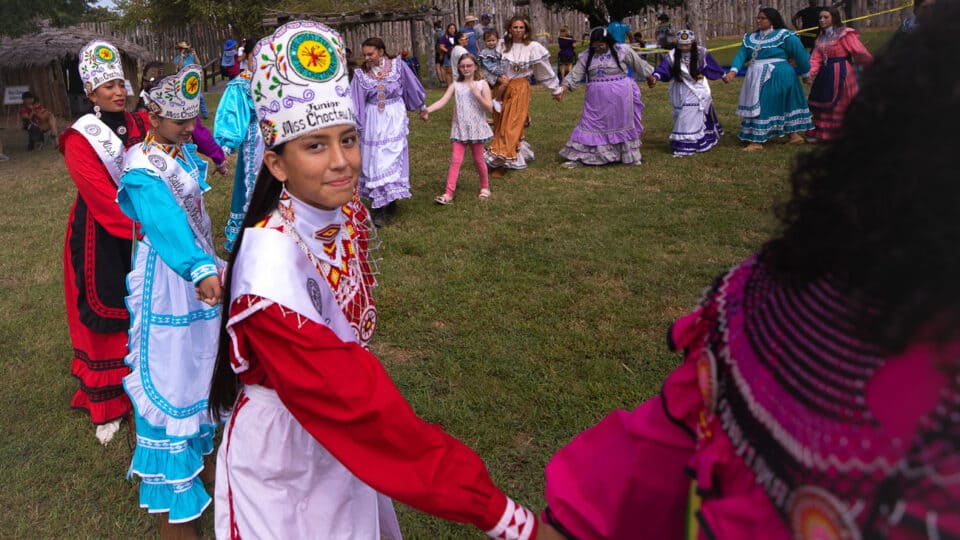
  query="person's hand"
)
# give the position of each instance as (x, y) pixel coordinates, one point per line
(558, 97)
(545, 531)
(651, 81)
(424, 115)
(209, 291)
(728, 77)
(806, 80)
(222, 169)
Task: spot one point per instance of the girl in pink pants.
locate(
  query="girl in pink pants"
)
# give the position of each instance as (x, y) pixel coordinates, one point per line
(469, 126)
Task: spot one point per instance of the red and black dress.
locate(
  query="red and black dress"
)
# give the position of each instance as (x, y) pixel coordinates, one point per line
(96, 260)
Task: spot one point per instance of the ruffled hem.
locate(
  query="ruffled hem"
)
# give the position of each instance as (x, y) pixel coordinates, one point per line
(183, 501)
(757, 130)
(627, 152)
(102, 412)
(381, 196)
(589, 138)
(471, 141)
(98, 378)
(524, 154)
(170, 460)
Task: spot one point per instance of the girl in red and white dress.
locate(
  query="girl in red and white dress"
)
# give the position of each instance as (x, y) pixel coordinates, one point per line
(319, 438)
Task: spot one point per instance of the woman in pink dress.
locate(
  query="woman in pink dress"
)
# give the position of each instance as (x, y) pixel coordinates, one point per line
(834, 81)
(819, 396)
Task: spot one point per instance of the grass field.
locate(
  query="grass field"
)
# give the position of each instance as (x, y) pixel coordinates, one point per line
(514, 323)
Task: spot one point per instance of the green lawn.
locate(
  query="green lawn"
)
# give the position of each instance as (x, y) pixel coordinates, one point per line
(514, 323)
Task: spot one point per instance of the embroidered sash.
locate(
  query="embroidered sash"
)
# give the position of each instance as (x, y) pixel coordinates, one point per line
(185, 186)
(105, 143)
(700, 88)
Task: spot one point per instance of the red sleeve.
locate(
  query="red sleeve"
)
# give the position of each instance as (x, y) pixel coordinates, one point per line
(94, 184)
(861, 56)
(816, 60)
(341, 394)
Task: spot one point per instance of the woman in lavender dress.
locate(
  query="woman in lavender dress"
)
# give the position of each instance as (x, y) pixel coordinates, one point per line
(609, 128)
(383, 90)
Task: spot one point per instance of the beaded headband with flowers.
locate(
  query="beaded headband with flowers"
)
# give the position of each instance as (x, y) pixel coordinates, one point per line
(99, 64)
(299, 83)
(685, 37)
(177, 97)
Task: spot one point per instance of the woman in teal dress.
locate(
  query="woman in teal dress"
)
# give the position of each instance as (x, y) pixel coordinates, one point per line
(772, 102)
(236, 130)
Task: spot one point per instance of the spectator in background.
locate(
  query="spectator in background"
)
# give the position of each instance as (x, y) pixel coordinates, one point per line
(468, 29)
(665, 33)
(37, 120)
(808, 17)
(910, 23)
(229, 62)
(412, 62)
(481, 29)
(459, 50)
(445, 45)
(185, 56)
(567, 55)
(438, 33)
(243, 53)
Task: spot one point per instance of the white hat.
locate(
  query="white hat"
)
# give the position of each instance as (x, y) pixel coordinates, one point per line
(99, 64)
(177, 97)
(299, 82)
(685, 37)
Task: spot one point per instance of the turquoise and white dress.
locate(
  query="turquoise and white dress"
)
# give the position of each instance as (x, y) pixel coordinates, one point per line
(772, 101)
(235, 129)
(173, 336)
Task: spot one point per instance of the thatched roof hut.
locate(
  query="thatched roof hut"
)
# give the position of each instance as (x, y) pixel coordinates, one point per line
(47, 63)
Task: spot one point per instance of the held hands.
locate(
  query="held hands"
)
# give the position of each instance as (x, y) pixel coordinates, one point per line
(728, 77)
(651, 81)
(222, 169)
(424, 115)
(806, 80)
(558, 97)
(209, 291)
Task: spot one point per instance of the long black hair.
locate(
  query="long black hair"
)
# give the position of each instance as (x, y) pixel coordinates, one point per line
(875, 207)
(776, 19)
(600, 34)
(224, 384)
(694, 66)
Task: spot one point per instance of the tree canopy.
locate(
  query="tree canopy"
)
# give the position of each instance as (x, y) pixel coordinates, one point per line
(20, 17)
(245, 16)
(601, 12)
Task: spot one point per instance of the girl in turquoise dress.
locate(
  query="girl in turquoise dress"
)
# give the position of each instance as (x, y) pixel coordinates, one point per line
(174, 292)
(772, 102)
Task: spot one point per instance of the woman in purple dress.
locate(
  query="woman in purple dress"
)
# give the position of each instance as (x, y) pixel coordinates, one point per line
(383, 90)
(609, 128)
(695, 125)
